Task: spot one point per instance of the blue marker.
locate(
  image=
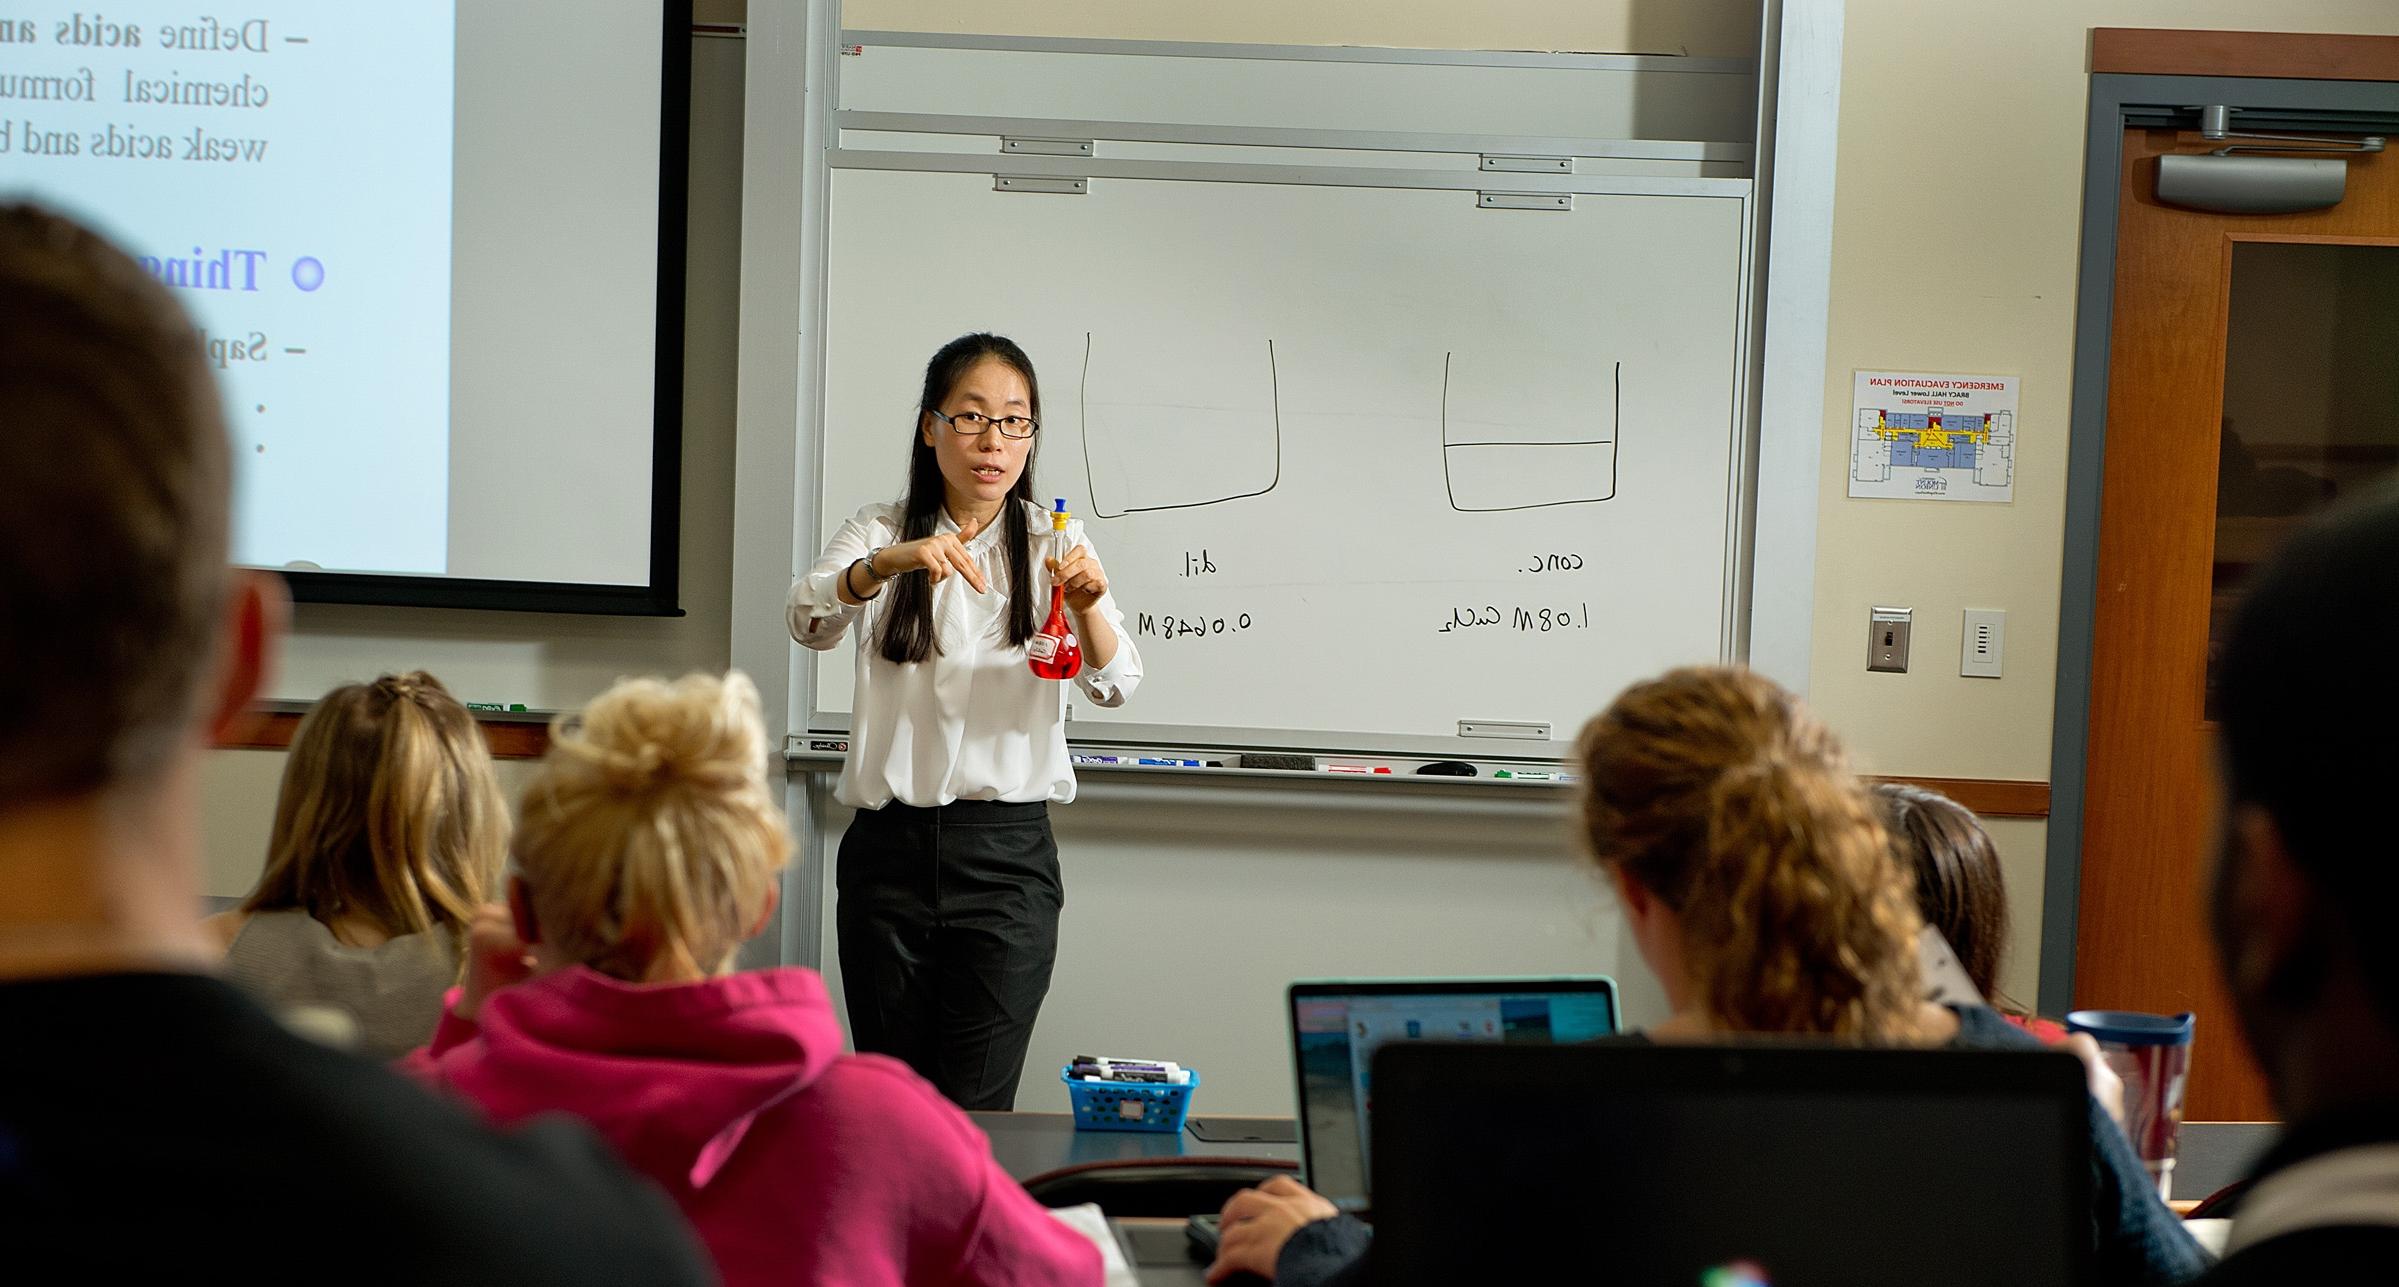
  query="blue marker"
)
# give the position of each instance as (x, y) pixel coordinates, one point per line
(1175, 764)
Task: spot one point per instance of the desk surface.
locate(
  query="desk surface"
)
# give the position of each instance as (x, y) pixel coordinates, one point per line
(1029, 1144)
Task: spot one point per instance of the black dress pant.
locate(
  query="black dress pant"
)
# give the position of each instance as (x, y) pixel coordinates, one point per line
(948, 926)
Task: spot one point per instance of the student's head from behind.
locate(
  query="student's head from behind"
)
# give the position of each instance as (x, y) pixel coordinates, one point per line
(2307, 872)
(648, 844)
(1753, 866)
(389, 811)
(129, 639)
(979, 463)
(1960, 890)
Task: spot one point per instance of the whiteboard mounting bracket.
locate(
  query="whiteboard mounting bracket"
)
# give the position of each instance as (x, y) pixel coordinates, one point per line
(1527, 164)
(1045, 147)
(1519, 729)
(1524, 200)
(1039, 183)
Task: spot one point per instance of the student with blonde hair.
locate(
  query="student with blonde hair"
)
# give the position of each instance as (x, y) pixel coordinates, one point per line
(646, 852)
(389, 831)
(1760, 886)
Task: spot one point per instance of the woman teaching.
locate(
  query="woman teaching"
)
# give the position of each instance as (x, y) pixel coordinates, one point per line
(947, 883)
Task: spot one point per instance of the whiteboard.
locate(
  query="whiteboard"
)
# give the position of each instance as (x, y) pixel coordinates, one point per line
(1362, 464)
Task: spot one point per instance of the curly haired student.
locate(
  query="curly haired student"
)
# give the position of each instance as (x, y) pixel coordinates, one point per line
(1761, 887)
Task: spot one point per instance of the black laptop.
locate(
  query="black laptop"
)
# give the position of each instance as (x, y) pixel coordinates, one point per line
(1337, 1025)
(1747, 1166)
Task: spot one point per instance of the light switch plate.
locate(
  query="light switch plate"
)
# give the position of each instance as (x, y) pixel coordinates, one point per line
(1985, 643)
(1887, 631)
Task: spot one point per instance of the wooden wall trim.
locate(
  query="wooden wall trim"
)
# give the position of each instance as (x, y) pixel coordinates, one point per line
(2143, 51)
(1988, 797)
(527, 739)
(510, 739)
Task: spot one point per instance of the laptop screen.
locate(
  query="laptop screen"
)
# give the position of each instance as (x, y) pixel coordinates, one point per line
(1337, 1027)
(1789, 1166)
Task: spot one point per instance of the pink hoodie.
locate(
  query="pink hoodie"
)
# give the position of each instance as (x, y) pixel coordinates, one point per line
(796, 1163)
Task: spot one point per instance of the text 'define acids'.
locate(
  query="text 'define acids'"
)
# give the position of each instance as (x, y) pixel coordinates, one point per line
(97, 30)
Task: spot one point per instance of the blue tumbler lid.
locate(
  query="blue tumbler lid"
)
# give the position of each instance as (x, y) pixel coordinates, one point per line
(2133, 1028)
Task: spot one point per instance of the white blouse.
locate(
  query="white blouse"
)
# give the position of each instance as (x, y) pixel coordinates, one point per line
(971, 722)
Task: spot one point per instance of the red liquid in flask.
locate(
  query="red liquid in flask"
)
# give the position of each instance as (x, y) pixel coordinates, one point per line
(1054, 654)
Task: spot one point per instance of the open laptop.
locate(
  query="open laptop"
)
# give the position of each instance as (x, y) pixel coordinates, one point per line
(1337, 1025)
(1740, 1166)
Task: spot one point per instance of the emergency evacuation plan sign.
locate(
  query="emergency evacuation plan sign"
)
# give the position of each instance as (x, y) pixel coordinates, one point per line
(1933, 437)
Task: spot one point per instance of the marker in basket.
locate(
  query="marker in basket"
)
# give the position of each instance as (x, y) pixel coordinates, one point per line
(1139, 1095)
(1101, 1068)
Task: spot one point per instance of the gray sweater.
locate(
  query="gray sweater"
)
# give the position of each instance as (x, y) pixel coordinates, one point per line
(388, 997)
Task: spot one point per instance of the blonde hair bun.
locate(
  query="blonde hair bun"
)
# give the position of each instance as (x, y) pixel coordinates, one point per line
(699, 731)
(649, 839)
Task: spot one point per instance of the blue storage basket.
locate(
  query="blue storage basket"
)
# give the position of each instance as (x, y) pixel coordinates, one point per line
(1128, 1105)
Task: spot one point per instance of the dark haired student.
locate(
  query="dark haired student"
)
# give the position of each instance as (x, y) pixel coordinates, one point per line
(148, 1109)
(948, 879)
(2299, 896)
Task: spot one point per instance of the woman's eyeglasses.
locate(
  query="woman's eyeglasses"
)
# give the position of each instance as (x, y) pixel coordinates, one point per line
(970, 424)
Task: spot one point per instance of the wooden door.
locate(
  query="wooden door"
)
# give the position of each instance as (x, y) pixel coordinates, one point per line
(2184, 514)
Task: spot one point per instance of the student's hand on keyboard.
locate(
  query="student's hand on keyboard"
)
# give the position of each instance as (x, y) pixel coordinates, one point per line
(1257, 1222)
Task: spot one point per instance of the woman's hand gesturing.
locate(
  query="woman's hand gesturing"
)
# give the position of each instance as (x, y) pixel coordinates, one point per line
(937, 556)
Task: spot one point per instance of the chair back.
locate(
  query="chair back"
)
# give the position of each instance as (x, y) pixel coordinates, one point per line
(1167, 1187)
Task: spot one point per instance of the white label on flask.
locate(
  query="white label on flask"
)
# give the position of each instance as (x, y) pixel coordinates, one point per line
(1042, 647)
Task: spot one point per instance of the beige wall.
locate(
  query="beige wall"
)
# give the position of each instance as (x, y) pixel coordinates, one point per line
(1955, 241)
(1723, 28)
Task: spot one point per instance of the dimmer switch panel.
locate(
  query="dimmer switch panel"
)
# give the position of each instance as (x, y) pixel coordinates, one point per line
(1985, 643)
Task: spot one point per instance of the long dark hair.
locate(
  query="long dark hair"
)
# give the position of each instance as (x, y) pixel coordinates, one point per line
(1959, 887)
(907, 634)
